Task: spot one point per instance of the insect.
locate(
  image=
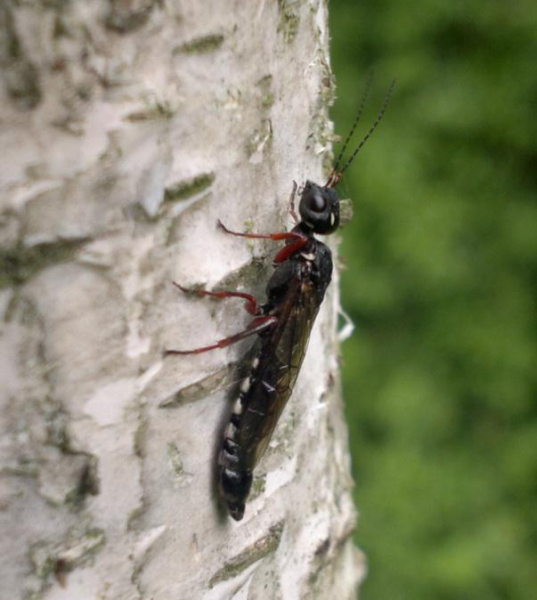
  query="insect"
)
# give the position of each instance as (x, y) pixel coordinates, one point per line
(295, 291)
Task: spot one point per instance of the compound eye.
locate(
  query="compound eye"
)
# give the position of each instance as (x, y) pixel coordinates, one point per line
(317, 203)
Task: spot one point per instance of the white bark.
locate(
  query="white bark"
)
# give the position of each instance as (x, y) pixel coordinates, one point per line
(127, 129)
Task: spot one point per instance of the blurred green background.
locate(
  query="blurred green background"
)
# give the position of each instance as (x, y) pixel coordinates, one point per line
(440, 376)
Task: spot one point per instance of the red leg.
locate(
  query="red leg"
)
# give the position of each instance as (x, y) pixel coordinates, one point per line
(251, 307)
(290, 249)
(299, 241)
(276, 237)
(256, 326)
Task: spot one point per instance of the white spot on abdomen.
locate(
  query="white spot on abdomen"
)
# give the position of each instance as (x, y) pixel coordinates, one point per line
(230, 432)
(245, 385)
(237, 408)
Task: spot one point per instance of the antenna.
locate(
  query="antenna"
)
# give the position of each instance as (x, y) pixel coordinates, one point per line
(334, 179)
(365, 94)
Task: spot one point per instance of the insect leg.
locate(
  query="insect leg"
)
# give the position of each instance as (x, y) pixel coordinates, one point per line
(251, 305)
(276, 237)
(289, 249)
(299, 240)
(292, 203)
(258, 325)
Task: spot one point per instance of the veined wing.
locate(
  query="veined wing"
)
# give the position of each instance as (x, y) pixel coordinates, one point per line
(280, 358)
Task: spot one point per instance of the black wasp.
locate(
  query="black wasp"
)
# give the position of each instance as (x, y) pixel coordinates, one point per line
(295, 291)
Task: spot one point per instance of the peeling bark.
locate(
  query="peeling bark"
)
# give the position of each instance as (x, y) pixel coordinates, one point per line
(128, 128)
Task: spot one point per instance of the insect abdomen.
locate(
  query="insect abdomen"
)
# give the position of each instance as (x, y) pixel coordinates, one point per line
(235, 487)
(235, 478)
(255, 414)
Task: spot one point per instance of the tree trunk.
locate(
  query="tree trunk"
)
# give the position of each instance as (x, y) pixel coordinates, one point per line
(127, 129)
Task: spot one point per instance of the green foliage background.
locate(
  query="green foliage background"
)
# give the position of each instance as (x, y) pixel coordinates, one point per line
(440, 376)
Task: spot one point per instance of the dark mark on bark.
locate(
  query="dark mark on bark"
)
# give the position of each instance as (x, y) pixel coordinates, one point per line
(125, 17)
(200, 389)
(189, 187)
(19, 263)
(258, 550)
(19, 74)
(201, 45)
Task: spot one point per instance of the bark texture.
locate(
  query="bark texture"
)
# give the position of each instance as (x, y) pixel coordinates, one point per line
(127, 128)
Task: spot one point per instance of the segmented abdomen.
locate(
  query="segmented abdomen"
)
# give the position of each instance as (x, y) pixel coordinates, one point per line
(264, 394)
(235, 478)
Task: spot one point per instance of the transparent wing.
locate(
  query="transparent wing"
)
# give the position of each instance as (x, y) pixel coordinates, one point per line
(280, 358)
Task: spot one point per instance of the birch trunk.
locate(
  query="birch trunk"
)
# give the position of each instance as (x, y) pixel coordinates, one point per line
(127, 129)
